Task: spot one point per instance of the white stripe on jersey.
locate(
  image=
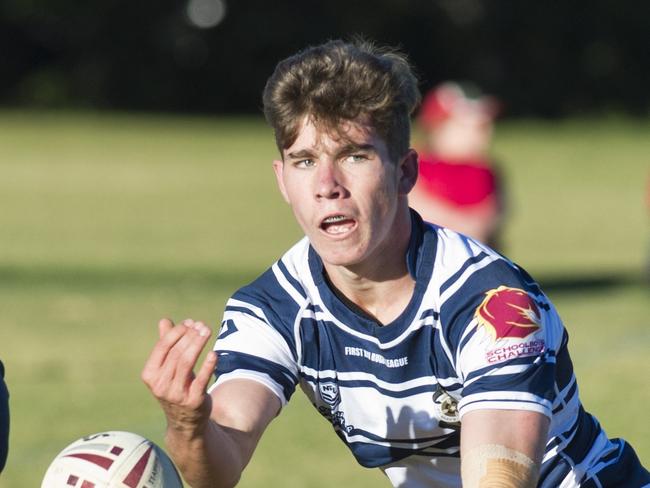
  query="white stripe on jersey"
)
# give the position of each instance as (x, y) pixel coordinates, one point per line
(399, 445)
(471, 327)
(361, 376)
(503, 370)
(262, 378)
(302, 313)
(445, 347)
(601, 447)
(286, 286)
(232, 302)
(269, 344)
(494, 399)
(488, 259)
(289, 264)
(326, 315)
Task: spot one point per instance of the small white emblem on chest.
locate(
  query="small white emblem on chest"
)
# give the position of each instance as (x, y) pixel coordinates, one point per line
(329, 392)
(446, 407)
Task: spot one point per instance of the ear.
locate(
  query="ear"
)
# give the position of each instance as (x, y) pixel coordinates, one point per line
(278, 169)
(408, 167)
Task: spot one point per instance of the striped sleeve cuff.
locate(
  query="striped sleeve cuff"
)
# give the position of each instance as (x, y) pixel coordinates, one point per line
(261, 378)
(499, 400)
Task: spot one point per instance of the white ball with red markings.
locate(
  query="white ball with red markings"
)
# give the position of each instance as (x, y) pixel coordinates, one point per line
(112, 460)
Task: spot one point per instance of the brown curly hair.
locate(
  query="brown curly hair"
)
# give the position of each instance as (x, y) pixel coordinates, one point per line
(343, 81)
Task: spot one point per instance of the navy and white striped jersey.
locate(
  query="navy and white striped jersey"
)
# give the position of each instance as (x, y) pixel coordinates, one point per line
(478, 333)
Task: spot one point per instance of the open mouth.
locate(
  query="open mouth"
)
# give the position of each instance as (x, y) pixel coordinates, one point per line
(337, 224)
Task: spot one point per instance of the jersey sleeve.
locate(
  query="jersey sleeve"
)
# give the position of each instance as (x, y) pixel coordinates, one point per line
(507, 359)
(504, 342)
(249, 347)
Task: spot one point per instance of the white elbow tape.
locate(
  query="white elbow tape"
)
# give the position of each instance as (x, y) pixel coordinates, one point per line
(496, 466)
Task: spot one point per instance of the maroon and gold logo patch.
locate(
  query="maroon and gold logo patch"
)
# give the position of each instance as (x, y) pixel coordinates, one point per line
(508, 312)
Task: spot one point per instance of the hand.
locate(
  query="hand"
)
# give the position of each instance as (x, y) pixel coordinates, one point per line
(169, 374)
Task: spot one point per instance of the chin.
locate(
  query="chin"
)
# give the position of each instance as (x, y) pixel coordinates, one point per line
(340, 257)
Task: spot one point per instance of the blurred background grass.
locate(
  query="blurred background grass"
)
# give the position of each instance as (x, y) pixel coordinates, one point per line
(111, 221)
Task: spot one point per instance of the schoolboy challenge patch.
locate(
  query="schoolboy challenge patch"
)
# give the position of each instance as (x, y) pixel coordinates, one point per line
(510, 313)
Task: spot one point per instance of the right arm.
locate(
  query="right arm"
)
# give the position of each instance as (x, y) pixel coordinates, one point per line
(211, 437)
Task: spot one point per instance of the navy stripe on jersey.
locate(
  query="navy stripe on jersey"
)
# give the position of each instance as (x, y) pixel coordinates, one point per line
(285, 332)
(422, 250)
(468, 337)
(324, 347)
(429, 313)
(437, 454)
(245, 311)
(454, 278)
(442, 365)
(568, 397)
(295, 283)
(580, 437)
(554, 471)
(537, 379)
(373, 455)
(230, 361)
(521, 361)
(371, 384)
(278, 306)
(623, 468)
(312, 342)
(435, 439)
(564, 374)
(363, 324)
(618, 467)
(458, 310)
(587, 429)
(532, 285)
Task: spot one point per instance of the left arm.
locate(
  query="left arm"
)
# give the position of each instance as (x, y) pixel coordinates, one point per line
(502, 448)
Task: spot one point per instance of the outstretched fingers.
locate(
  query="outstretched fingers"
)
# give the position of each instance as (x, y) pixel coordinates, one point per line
(169, 335)
(169, 369)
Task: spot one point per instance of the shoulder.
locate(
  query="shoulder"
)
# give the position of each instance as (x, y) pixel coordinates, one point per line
(463, 263)
(278, 293)
(284, 277)
(472, 279)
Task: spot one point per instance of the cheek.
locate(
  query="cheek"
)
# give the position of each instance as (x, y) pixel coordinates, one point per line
(299, 206)
(381, 202)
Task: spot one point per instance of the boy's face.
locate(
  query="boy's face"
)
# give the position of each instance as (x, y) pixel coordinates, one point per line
(346, 193)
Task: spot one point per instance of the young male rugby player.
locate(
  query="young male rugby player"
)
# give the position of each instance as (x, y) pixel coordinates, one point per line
(434, 358)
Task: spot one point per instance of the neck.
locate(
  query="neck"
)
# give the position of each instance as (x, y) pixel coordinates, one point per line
(381, 286)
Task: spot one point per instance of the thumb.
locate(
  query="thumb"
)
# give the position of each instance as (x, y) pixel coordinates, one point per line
(200, 383)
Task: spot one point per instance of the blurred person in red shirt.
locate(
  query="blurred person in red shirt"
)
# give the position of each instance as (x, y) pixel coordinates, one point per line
(458, 185)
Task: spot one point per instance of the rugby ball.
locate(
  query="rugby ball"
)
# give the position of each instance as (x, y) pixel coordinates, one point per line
(112, 460)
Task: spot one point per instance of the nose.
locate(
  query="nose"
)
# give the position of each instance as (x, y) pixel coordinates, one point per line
(329, 182)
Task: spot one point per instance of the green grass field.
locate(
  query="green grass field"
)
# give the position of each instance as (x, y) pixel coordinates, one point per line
(110, 222)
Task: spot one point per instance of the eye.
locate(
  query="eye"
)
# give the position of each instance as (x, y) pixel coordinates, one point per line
(304, 163)
(356, 158)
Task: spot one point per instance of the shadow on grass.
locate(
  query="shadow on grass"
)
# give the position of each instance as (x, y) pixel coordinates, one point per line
(125, 277)
(121, 277)
(589, 282)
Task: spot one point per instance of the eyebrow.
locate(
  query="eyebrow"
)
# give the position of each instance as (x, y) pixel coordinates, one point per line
(302, 154)
(352, 148)
(343, 151)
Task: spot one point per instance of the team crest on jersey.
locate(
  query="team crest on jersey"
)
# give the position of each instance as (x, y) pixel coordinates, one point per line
(508, 313)
(446, 408)
(329, 392)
